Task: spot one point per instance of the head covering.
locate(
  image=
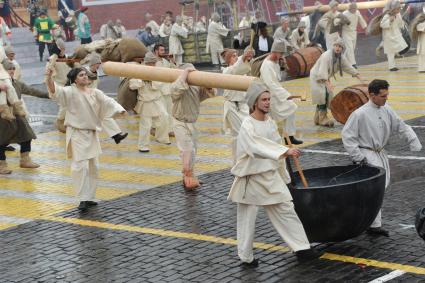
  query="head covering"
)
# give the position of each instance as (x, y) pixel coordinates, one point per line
(110, 23)
(255, 89)
(84, 8)
(227, 54)
(278, 46)
(8, 65)
(391, 5)
(352, 6)
(179, 19)
(215, 17)
(118, 22)
(338, 41)
(150, 58)
(284, 19)
(94, 59)
(9, 50)
(60, 44)
(302, 24)
(333, 3)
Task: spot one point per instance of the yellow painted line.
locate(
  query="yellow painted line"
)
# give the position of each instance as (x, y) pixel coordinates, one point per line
(4, 225)
(230, 241)
(33, 209)
(102, 193)
(108, 175)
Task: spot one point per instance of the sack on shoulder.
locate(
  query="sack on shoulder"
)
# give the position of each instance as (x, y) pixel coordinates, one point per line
(420, 222)
(126, 97)
(256, 65)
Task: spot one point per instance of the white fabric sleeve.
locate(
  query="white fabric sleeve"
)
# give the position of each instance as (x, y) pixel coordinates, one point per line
(404, 130)
(350, 138)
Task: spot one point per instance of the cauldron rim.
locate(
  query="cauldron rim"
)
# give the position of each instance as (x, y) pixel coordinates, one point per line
(380, 173)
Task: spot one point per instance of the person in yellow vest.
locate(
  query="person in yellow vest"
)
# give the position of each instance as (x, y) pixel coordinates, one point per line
(43, 25)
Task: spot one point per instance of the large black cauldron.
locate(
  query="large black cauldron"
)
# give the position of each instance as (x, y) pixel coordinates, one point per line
(336, 209)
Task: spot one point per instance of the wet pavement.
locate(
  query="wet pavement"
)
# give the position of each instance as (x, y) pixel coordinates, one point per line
(146, 228)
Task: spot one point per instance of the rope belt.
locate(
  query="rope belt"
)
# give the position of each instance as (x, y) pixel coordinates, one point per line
(377, 150)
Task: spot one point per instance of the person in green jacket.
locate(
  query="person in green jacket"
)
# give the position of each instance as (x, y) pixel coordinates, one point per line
(43, 25)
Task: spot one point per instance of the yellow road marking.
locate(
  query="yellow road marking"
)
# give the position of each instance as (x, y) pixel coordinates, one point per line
(27, 208)
(230, 241)
(4, 225)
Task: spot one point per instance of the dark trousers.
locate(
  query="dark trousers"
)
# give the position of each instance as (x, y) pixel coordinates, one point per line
(41, 47)
(25, 147)
(69, 33)
(86, 40)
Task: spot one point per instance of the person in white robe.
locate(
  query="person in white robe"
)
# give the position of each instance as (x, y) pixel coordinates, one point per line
(349, 32)
(299, 37)
(391, 25)
(186, 106)
(306, 20)
(165, 28)
(216, 30)
(261, 178)
(368, 131)
(282, 107)
(85, 109)
(109, 125)
(151, 108)
(159, 51)
(201, 25)
(109, 31)
(175, 45)
(326, 21)
(235, 109)
(122, 32)
(283, 33)
(330, 63)
(419, 30)
(152, 24)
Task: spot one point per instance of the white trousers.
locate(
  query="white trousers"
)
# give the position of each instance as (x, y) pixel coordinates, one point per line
(284, 219)
(391, 60)
(186, 139)
(215, 57)
(234, 119)
(161, 129)
(9, 95)
(168, 103)
(110, 126)
(84, 178)
(350, 46)
(178, 58)
(289, 125)
(421, 63)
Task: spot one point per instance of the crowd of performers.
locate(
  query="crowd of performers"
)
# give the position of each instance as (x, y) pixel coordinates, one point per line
(255, 119)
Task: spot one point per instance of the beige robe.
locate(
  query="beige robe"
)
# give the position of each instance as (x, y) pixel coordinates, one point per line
(165, 30)
(214, 40)
(260, 174)
(149, 102)
(349, 34)
(154, 27)
(281, 107)
(107, 32)
(175, 46)
(391, 34)
(83, 120)
(325, 23)
(321, 72)
(420, 48)
(299, 41)
(165, 89)
(282, 35)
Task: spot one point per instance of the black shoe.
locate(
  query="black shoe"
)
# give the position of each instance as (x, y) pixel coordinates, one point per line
(355, 66)
(251, 264)
(91, 203)
(394, 69)
(377, 231)
(83, 207)
(119, 137)
(10, 148)
(307, 255)
(293, 140)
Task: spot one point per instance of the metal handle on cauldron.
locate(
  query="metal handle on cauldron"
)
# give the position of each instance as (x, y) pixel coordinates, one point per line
(297, 162)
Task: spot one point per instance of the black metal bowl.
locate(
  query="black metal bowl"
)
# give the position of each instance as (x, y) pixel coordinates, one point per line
(336, 209)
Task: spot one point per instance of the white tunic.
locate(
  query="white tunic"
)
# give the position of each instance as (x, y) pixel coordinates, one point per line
(260, 174)
(349, 33)
(84, 115)
(368, 130)
(214, 41)
(299, 41)
(154, 27)
(420, 48)
(165, 30)
(281, 107)
(322, 71)
(149, 98)
(175, 46)
(391, 34)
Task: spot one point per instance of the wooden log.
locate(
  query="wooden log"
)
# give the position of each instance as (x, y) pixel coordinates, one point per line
(167, 75)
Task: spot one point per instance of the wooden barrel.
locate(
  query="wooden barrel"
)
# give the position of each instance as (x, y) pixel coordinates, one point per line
(348, 100)
(301, 61)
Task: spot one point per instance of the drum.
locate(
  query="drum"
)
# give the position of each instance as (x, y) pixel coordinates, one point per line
(348, 100)
(301, 61)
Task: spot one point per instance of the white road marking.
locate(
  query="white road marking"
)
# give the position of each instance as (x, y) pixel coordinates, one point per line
(344, 153)
(406, 226)
(388, 277)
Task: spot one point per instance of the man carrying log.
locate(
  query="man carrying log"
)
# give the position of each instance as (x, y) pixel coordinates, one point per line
(282, 107)
(391, 25)
(85, 109)
(186, 106)
(235, 108)
(326, 21)
(261, 178)
(367, 132)
(329, 63)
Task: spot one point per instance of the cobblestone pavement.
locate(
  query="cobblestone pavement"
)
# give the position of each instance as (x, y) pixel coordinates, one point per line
(166, 235)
